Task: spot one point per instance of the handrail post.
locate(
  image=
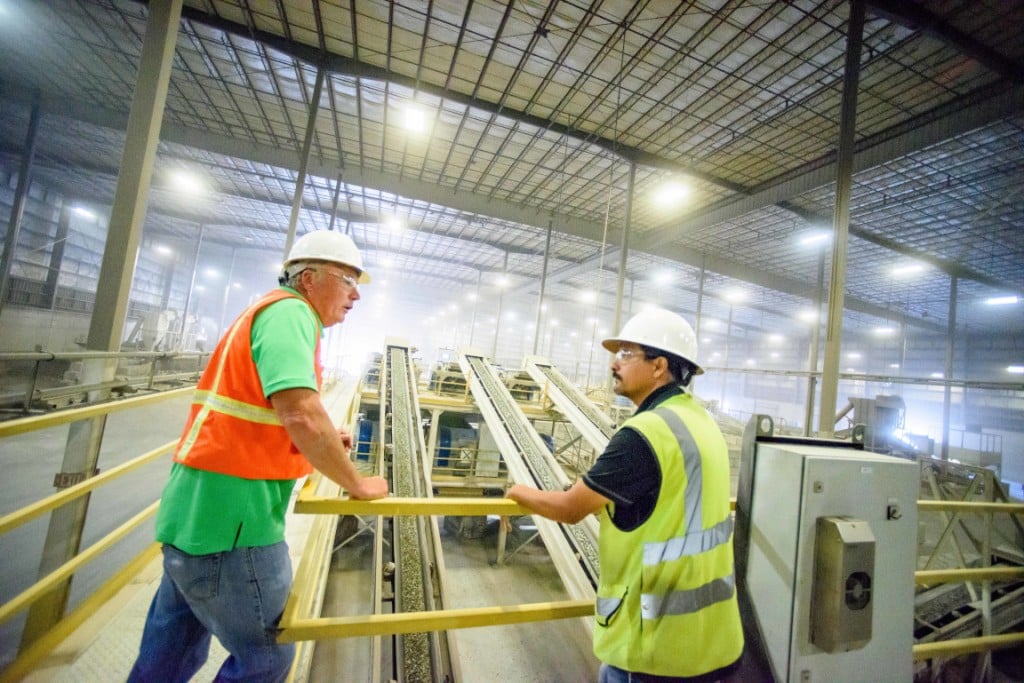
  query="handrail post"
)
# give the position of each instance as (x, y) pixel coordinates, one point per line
(31, 388)
(152, 372)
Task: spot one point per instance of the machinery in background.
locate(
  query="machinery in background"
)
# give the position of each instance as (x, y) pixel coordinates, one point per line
(371, 379)
(824, 569)
(882, 420)
(448, 378)
(457, 443)
(521, 385)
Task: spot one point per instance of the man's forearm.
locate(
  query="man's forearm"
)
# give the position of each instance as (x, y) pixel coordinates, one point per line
(548, 504)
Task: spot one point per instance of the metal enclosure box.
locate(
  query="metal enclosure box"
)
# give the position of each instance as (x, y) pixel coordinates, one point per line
(793, 487)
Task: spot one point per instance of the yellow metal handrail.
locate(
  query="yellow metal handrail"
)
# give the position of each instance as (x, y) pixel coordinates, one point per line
(970, 506)
(41, 648)
(435, 620)
(49, 582)
(22, 425)
(38, 649)
(963, 646)
(306, 503)
(33, 510)
(926, 577)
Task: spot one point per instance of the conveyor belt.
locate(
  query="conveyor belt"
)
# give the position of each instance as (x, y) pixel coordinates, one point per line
(592, 424)
(420, 657)
(573, 547)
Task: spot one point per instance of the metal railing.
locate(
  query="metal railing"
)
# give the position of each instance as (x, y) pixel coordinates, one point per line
(31, 653)
(973, 547)
(32, 394)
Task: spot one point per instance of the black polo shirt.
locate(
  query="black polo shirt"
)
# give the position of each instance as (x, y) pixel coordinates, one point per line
(628, 472)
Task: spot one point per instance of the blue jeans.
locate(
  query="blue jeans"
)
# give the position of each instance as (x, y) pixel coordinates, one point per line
(612, 674)
(238, 596)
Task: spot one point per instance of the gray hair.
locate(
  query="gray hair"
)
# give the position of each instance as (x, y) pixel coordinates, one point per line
(290, 275)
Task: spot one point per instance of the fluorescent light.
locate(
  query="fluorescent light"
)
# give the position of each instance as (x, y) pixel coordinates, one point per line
(735, 296)
(936, 375)
(1002, 300)
(903, 271)
(187, 183)
(884, 331)
(1015, 369)
(670, 194)
(84, 213)
(415, 120)
(816, 237)
(808, 316)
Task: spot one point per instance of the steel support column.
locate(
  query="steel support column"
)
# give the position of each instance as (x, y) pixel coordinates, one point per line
(57, 255)
(106, 327)
(300, 180)
(815, 342)
(947, 392)
(18, 205)
(844, 178)
(620, 283)
(497, 322)
(543, 283)
(191, 287)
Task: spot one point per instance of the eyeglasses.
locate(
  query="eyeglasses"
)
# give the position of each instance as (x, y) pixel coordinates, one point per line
(626, 354)
(347, 279)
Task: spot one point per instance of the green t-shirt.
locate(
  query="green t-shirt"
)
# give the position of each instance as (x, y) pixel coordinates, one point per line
(207, 512)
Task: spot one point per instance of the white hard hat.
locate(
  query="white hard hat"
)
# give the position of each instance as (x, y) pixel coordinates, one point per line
(327, 245)
(659, 329)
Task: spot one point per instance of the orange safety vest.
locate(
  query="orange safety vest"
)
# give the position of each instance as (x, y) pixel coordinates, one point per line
(232, 427)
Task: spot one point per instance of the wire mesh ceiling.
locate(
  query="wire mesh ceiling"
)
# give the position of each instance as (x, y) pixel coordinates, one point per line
(479, 126)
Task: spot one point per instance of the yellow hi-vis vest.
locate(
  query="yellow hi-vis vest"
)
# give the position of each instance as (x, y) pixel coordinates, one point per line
(666, 600)
(232, 427)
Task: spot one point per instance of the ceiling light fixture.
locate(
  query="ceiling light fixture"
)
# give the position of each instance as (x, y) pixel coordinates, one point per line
(415, 120)
(1002, 300)
(816, 237)
(670, 194)
(188, 183)
(904, 271)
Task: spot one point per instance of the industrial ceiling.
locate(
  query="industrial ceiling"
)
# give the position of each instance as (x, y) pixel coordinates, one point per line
(536, 115)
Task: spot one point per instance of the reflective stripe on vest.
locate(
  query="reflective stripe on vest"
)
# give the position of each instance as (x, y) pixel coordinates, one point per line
(689, 601)
(236, 408)
(697, 539)
(211, 393)
(233, 428)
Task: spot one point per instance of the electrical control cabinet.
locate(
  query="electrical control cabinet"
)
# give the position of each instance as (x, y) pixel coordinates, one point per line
(830, 568)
